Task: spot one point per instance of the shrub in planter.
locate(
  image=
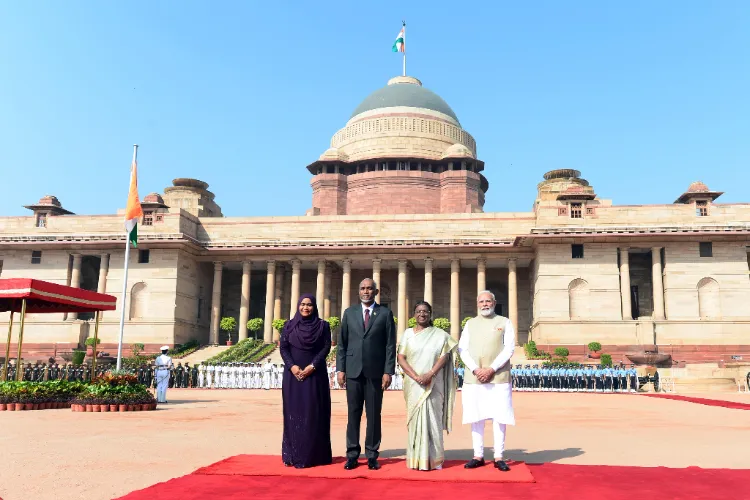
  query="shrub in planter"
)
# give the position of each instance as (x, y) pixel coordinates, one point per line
(442, 323)
(530, 348)
(278, 324)
(255, 325)
(594, 346)
(228, 324)
(78, 357)
(562, 352)
(89, 342)
(606, 360)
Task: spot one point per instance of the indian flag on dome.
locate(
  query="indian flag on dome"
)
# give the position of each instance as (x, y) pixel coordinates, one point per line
(133, 210)
(399, 45)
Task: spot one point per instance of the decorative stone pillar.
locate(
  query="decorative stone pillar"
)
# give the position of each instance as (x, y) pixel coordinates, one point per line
(657, 279)
(320, 290)
(295, 288)
(270, 288)
(513, 294)
(403, 317)
(481, 274)
(216, 303)
(278, 292)
(327, 295)
(627, 309)
(455, 317)
(245, 300)
(346, 285)
(75, 277)
(101, 286)
(376, 272)
(428, 280)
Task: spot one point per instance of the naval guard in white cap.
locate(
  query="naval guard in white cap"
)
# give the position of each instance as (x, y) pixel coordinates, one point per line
(164, 367)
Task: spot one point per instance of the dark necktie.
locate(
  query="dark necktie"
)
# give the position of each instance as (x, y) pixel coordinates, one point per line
(367, 317)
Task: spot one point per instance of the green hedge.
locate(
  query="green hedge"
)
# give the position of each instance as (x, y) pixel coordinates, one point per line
(606, 360)
(55, 391)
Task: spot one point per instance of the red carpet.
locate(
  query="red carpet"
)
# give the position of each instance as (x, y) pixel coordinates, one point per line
(392, 469)
(703, 401)
(581, 482)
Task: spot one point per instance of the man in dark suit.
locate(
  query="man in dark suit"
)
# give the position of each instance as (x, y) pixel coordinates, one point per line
(365, 361)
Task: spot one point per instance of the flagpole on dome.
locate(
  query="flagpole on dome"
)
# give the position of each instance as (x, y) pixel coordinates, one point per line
(404, 45)
(133, 212)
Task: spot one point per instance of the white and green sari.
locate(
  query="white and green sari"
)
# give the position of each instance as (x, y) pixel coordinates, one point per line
(429, 409)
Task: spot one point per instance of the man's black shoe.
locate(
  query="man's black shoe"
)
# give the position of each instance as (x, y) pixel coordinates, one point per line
(501, 465)
(351, 463)
(372, 464)
(474, 463)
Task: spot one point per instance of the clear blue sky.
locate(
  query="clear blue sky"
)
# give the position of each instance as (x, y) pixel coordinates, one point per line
(643, 97)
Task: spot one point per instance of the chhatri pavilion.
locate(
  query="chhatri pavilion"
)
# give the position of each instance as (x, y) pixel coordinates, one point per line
(399, 196)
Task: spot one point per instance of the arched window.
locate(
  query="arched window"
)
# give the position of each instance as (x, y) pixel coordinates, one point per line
(578, 299)
(138, 301)
(709, 305)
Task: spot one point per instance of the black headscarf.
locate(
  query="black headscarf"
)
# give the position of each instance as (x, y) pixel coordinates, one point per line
(305, 332)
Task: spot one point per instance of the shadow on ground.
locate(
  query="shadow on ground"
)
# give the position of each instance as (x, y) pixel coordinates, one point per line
(533, 457)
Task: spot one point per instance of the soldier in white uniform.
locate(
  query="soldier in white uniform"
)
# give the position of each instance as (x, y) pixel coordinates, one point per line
(267, 374)
(486, 346)
(209, 376)
(164, 366)
(201, 375)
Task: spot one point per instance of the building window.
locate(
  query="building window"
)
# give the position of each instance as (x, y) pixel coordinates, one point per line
(159, 218)
(36, 257)
(709, 304)
(576, 251)
(148, 218)
(576, 211)
(41, 220)
(139, 301)
(562, 210)
(706, 249)
(143, 256)
(578, 299)
(590, 211)
(701, 208)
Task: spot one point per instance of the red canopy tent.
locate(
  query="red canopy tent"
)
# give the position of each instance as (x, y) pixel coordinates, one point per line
(22, 295)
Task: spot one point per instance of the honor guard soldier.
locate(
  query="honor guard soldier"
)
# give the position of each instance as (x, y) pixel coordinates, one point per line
(623, 373)
(527, 377)
(164, 367)
(633, 376)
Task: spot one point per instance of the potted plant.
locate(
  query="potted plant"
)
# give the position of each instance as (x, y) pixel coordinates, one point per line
(278, 325)
(606, 360)
(89, 342)
(595, 348)
(228, 324)
(254, 326)
(442, 323)
(77, 358)
(334, 322)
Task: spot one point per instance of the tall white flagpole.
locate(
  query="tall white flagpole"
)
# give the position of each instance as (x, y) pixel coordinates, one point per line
(404, 47)
(125, 277)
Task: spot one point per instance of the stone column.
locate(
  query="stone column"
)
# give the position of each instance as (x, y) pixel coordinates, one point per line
(320, 290)
(428, 280)
(346, 285)
(513, 294)
(270, 287)
(244, 300)
(627, 309)
(481, 274)
(295, 288)
(216, 303)
(278, 291)
(455, 317)
(403, 317)
(376, 271)
(75, 277)
(101, 287)
(658, 283)
(327, 296)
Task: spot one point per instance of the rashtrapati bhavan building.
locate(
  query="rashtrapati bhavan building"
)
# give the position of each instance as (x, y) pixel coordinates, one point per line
(399, 196)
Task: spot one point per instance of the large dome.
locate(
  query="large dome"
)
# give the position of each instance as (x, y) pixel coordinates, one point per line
(408, 92)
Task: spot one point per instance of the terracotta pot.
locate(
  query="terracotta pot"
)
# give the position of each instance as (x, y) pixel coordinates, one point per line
(89, 407)
(113, 407)
(89, 351)
(229, 342)
(132, 407)
(96, 408)
(11, 406)
(153, 406)
(146, 406)
(34, 406)
(122, 407)
(75, 408)
(595, 354)
(2, 406)
(104, 408)
(29, 406)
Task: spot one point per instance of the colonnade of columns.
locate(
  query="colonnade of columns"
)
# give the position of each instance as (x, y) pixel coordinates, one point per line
(657, 279)
(275, 285)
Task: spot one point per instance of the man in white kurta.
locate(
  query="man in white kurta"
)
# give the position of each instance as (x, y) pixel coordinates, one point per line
(164, 366)
(486, 346)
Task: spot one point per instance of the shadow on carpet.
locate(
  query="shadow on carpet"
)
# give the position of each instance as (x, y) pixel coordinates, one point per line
(583, 482)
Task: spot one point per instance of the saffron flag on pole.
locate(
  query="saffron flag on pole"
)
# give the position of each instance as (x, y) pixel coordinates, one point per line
(399, 45)
(133, 210)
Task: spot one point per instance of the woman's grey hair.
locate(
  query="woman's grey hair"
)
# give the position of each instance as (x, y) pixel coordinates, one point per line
(486, 292)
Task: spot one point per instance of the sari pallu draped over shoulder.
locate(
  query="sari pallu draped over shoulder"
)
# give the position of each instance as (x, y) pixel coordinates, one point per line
(429, 409)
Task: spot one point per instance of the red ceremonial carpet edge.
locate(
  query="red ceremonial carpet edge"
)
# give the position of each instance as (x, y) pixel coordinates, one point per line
(582, 482)
(703, 401)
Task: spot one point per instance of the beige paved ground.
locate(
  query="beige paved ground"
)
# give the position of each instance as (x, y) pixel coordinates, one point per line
(57, 454)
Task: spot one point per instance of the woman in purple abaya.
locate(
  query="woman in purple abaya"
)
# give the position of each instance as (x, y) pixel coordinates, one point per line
(305, 343)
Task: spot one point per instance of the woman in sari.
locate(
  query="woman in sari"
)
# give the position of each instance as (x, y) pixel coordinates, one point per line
(426, 355)
(306, 397)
